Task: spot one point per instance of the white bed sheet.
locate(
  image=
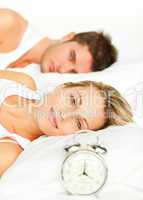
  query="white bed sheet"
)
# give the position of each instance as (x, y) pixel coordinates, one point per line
(36, 173)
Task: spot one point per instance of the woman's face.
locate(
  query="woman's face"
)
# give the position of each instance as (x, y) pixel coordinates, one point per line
(67, 110)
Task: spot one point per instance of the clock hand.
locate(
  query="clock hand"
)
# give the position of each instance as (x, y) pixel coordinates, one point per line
(84, 169)
(85, 172)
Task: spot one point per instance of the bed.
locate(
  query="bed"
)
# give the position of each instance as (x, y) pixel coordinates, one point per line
(36, 173)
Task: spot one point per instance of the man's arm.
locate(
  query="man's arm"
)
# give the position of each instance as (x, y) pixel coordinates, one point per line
(12, 28)
(8, 154)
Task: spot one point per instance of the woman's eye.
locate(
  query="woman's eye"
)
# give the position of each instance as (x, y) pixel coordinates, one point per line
(78, 124)
(72, 56)
(72, 100)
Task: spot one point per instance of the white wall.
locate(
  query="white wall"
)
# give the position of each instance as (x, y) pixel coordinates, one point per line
(122, 19)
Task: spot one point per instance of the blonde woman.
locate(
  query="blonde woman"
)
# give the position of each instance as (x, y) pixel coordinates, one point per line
(68, 108)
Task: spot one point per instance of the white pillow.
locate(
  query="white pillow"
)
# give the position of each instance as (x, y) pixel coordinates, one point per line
(127, 78)
(36, 173)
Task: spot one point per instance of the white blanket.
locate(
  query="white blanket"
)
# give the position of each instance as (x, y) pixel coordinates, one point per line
(36, 173)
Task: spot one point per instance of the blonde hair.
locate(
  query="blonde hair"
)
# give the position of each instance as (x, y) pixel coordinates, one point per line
(117, 109)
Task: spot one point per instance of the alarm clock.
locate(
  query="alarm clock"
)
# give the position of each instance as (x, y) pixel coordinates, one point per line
(84, 170)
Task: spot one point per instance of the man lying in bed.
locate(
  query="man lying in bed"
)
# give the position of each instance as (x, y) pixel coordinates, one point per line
(20, 45)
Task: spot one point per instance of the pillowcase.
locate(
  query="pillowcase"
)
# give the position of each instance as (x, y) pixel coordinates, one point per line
(36, 172)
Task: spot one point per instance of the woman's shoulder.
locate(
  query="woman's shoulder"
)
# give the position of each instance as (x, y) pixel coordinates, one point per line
(27, 80)
(8, 154)
(19, 77)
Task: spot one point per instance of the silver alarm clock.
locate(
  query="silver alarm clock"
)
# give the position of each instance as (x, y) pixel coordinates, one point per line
(84, 171)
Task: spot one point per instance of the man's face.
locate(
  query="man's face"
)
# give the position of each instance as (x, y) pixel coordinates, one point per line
(67, 57)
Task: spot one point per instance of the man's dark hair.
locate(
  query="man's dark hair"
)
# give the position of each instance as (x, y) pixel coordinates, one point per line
(102, 50)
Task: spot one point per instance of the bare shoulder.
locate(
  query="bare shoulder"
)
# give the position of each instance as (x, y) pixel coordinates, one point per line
(8, 154)
(13, 26)
(19, 77)
(25, 79)
(8, 17)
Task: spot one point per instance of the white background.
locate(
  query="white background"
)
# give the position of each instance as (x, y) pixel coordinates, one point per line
(122, 19)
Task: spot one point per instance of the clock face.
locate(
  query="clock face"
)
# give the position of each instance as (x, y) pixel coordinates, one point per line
(83, 172)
